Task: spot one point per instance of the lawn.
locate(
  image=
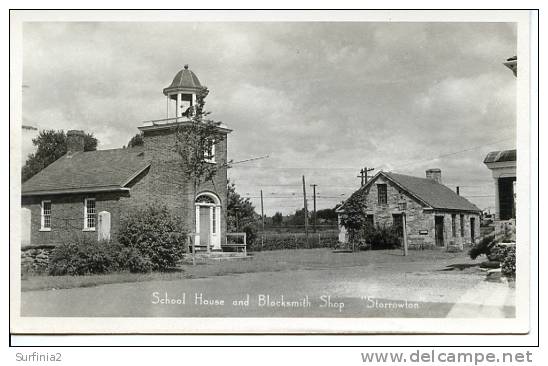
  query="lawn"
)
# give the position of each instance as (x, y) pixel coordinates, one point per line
(270, 261)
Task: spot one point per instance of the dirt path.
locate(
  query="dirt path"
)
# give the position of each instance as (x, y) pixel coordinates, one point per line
(366, 291)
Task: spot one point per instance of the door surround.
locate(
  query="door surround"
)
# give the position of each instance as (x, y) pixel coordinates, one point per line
(212, 201)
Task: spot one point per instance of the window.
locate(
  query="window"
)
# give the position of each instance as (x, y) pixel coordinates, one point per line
(381, 190)
(90, 214)
(213, 220)
(370, 221)
(45, 221)
(209, 153)
(462, 226)
(453, 225)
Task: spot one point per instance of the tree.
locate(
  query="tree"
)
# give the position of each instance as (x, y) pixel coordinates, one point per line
(51, 145)
(240, 211)
(194, 144)
(136, 140)
(277, 219)
(327, 214)
(354, 217)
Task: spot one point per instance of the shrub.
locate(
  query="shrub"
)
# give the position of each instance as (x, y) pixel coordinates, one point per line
(82, 255)
(483, 247)
(156, 234)
(250, 235)
(281, 241)
(497, 252)
(508, 266)
(383, 237)
(135, 261)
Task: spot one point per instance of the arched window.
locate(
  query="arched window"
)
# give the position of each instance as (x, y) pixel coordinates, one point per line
(205, 199)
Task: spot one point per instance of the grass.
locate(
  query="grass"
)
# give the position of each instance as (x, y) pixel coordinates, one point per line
(270, 261)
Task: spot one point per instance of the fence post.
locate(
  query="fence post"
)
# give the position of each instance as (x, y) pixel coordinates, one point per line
(319, 241)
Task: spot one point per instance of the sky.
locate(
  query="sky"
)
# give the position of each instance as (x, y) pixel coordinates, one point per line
(321, 99)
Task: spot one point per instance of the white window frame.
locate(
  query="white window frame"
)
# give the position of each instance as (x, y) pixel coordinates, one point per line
(212, 159)
(42, 216)
(86, 227)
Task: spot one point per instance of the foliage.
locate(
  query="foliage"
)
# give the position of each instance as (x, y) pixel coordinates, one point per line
(509, 263)
(195, 140)
(50, 146)
(354, 217)
(483, 247)
(82, 255)
(298, 218)
(135, 261)
(157, 235)
(277, 219)
(382, 237)
(136, 140)
(239, 211)
(327, 214)
(281, 241)
(250, 235)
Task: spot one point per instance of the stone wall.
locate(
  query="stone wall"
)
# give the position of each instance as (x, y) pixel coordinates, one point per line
(420, 218)
(35, 260)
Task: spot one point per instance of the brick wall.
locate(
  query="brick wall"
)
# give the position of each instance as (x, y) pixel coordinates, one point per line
(67, 215)
(162, 183)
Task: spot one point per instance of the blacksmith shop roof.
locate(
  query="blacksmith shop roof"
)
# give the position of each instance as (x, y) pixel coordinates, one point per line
(434, 194)
(498, 156)
(89, 171)
(427, 191)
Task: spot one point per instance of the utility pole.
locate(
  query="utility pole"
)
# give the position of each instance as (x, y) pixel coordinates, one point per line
(262, 219)
(305, 212)
(366, 175)
(361, 176)
(314, 192)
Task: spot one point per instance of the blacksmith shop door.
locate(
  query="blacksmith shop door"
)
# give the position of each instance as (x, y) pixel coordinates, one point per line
(439, 231)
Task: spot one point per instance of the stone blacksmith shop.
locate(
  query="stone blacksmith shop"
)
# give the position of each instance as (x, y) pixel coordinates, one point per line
(435, 215)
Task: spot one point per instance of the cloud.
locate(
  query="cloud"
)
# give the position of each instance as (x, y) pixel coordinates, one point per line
(322, 99)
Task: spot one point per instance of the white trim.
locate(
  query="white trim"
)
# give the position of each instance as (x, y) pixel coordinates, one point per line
(42, 228)
(212, 159)
(214, 209)
(86, 228)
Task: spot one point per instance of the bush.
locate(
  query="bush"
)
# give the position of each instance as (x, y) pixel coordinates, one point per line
(82, 255)
(156, 235)
(281, 241)
(508, 266)
(250, 235)
(135, 261)
(483, 247)
(383, 237)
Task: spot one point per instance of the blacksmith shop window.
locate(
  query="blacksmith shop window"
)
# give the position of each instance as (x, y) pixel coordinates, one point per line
(90, 214)
(382, 192)
(46, 216)
(370, 221)
(462, 226)
(453, 225)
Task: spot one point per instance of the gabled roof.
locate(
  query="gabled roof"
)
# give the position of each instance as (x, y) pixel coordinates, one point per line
(429, 192)
(90, 171)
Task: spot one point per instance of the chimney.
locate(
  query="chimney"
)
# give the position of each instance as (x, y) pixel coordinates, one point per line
(434, 174)
(75, 141)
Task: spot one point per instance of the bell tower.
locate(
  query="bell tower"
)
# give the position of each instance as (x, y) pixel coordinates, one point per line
(181, 94)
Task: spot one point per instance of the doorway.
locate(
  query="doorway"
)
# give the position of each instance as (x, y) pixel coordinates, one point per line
(439, 231)
(472, 229)
(208, 225)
